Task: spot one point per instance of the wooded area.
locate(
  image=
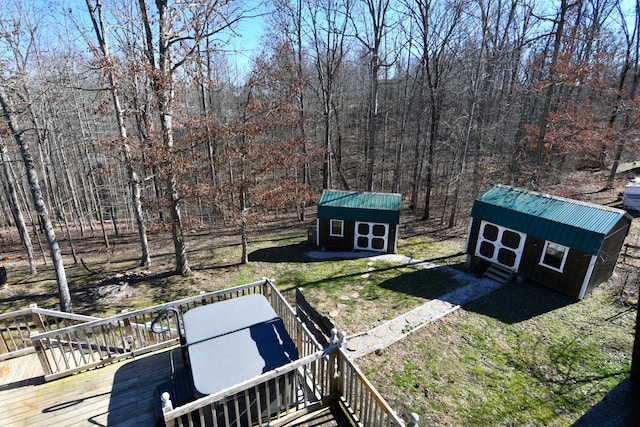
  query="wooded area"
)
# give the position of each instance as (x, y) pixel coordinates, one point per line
(141, 114)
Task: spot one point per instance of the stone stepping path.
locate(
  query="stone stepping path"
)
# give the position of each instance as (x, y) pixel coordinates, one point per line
(394, 330)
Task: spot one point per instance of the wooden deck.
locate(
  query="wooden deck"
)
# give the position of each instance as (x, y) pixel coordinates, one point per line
(332, 416)
(120, 394)
(93, 378)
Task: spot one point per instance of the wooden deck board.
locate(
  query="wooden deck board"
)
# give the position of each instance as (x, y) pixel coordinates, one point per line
(120, 394)
(331, 416)
(19, 369)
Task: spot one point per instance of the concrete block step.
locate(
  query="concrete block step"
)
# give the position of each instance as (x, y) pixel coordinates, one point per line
(499, 274)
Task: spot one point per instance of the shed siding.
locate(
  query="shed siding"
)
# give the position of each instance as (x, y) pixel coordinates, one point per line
(594, 235)
(572, 223)
(353, 207)
(569, 281)
(327, 241)
(608, 255)
(346, 242)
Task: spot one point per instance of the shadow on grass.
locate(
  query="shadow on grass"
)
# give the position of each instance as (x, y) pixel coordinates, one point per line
(510, 303)
(514, 303)
(407, 283)
(295, 253)
(429, 283)
(23, 300)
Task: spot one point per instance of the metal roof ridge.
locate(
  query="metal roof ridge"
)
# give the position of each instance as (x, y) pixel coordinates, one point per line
(562, 199)
(363, 192)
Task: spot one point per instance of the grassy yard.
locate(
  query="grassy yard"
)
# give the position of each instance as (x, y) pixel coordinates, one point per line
(523, 355)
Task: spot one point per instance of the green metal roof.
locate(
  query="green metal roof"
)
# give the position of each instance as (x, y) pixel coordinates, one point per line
(360, 206)
(579, 225)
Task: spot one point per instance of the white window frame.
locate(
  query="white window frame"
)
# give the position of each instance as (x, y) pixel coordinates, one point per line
(558, 247)
(331, 233)
(498, 244)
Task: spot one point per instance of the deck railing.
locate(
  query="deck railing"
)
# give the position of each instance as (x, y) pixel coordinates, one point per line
(273, 396)
(83, 346)
(361, 398)
(282, 396)
(17, 327)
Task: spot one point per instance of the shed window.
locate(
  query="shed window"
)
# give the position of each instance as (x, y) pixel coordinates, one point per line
(337, 228)
(554, 256)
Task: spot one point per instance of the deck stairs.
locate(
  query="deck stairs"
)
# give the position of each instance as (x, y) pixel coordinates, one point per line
(499, 274)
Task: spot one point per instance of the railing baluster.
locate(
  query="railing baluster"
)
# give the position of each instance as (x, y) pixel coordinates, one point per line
(267, 400)
(247, 404)
(11, 335)
(98, 336)
(226, 412)
(214, 414)
(89, 342)
(236, 407)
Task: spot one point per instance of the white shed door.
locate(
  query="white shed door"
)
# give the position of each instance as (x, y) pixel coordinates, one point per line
(371, 236)
(500, 245)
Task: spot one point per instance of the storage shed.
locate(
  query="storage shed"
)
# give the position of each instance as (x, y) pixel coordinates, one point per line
(568, 245)
(350, 220)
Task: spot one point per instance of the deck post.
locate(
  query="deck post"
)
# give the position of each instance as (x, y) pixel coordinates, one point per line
(167, 405)
(335, 363)
(37, 319)
(413, 420)
(41, 351)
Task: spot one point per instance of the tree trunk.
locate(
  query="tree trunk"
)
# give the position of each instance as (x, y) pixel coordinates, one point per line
(14, 203)
(163, 89)
(373, 120)
(632, 94)
(459, 179)
(134, 182)
(376, 11)
(243, 229)
(548, 95)
(41, 209)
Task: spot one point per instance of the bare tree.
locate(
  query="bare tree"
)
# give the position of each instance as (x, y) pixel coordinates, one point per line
(631, 64)
(10, 116)
(560, 23)
(97, 19)
(376, 16)
(436, 25)
(180, 28)
(328, 23)
(16, 210)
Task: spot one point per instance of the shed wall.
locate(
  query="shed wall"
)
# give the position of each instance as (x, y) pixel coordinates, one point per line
(334, 242)
(346, 242)
(569, 281)
(608, 256)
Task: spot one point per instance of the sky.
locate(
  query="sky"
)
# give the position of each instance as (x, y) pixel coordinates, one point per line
(246, 44)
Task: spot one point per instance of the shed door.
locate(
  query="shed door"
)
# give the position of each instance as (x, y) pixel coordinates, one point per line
(371, 236)
(500, 245)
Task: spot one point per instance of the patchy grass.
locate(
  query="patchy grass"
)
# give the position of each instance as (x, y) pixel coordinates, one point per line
(484, 366)
(359, 294)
